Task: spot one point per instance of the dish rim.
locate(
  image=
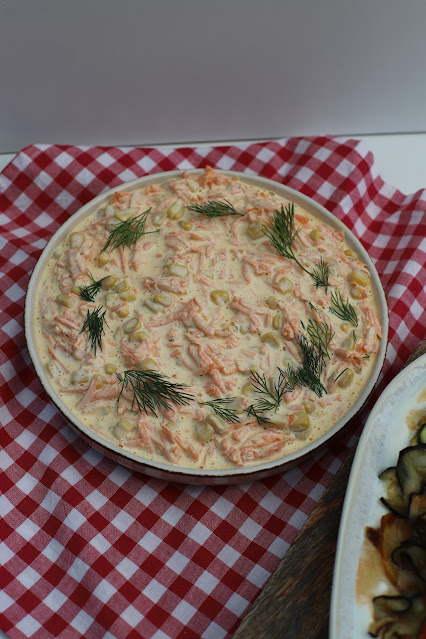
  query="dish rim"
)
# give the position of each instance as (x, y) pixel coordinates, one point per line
(162, 177)
(356, 469)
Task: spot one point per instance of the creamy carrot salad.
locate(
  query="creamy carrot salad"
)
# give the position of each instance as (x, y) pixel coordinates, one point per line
(206, 323)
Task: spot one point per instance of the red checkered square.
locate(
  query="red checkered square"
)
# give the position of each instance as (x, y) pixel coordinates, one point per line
(89, 549)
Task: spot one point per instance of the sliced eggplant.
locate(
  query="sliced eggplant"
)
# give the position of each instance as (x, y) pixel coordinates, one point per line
(394, 500)
(388, 606)
(411, 469)
(410, 555)
(417, 507)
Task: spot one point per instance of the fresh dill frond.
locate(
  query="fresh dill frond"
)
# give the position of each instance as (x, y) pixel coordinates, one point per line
(152, 391)
(215, 208)
(89, 292)
(94, 325)
(343, 310)
(309, 373)
(320, 274)
(281, 233)
(128, 232)
(340, 374)
(320, 335)
(219, 407)
(257, 411)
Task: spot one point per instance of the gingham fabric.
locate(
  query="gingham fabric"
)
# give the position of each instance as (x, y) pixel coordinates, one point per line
(90, 549)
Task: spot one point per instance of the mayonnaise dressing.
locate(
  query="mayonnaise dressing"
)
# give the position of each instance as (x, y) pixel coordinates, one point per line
(203, 301)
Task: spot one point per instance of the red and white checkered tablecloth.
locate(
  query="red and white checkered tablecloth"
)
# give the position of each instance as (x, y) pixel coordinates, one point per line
(90, 549)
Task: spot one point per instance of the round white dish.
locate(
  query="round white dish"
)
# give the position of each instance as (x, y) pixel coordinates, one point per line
(385, 434)
(167, 471)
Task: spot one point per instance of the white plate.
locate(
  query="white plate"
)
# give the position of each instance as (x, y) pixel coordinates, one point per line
(385, 434)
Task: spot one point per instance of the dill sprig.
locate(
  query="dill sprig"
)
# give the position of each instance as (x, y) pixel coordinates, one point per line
(281, 233)
(320, 335)
(152, 391)
(343, 310)
(256, 411)
(320, 274)
(94, 325)
(219, 407)
(128, 232)
(340, 374)
(271, 395)
(309, 373)
(89, 292)
(215, 208)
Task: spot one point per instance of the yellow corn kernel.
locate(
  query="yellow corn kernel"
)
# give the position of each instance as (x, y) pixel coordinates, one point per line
(52, 370)
(346, 327)
(348, 343)
(56, 254)
(148, 364)
(177, 210)
(346, 378)
(236, 405)
(219, 297)
(255, 230)
(123, 311)
(163, 299)
(138, 336)
(178, 270)
(309, 405)
(123, 215)
(124, 430)
(203, 431)
(75, 289)
(153, 306)
(103, 258)
(65, 300)
(285, 285)
(315, 235)
(109, 282)
(357, 292)
(359, 277)
(122, 285)
(276, 420)
(111, 300)
(187, 226)
(216, 423)
(80, 377)
(76, 240)
(159, 218)
(132, 325)
(276, 322)
(271, 302)
(128, 296)
(271, 339)
(100, 382)
(349, 253)
(248, 390)
(301, 422)
(110, 369)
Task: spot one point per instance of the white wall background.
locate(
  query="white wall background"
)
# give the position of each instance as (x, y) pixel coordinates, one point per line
(139, 72)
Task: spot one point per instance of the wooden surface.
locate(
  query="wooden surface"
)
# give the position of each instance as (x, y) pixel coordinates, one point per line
(295, 602)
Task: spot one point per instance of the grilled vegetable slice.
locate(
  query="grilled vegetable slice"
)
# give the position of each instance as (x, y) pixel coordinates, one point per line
(411, 469)
(411, 556)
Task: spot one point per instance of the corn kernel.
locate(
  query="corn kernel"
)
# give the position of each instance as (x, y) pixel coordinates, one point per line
(65, 300)
(100, 382)
(177, 210)
(103, 258)
(159, 218)
(112, 224)
(346, 378)
(148, 364)
(125, 430)
(309, 405)
(271, 302)
(359, 277)
(187, 226)
(123, 311)
(178, 270)
(315, 235)
(128, 296)
(123, 215)
(219, 297)
(255, 230)
(216, 423)
(153, 306)
(132, 325)
(349, 253)
(52, 370)
(300, 423)
(357, 292)
(109, 282)
(163, 299)
(271, 339)
(348, 343)
(203, 431)
(248, 390)
(122, 285)
(193, 185)
(138, 336)
(276, 322)
(76, 240)
(75, 289)
(285, 285)
(79, 377)
(110, 369)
